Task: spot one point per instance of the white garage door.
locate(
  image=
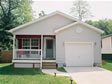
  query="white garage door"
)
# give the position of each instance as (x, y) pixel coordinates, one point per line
(79, 54)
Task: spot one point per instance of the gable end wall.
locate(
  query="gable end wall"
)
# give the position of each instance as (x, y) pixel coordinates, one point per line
(70, 35)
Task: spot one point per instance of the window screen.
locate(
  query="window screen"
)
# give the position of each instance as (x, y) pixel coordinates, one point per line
(49, 44)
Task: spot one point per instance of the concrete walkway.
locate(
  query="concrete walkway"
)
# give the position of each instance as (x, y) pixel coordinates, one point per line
(90, 75)
(52, 71)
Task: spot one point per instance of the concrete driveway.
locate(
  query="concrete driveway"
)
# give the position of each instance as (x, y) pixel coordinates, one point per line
(90, 75)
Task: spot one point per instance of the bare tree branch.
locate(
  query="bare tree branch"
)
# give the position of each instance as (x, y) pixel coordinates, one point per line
(80, 9)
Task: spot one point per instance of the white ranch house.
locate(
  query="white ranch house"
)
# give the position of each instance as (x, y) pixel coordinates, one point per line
(54, 40)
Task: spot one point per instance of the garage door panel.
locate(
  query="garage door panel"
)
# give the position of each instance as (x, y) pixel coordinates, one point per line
(79, 54)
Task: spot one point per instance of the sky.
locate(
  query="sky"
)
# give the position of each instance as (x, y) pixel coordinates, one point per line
(100, 9)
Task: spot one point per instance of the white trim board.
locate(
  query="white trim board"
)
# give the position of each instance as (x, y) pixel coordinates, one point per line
(79, 22)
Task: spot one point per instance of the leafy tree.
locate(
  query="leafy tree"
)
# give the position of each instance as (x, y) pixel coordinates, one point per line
(105, 25)
(80, 9)
(109, 26)
(13, 13)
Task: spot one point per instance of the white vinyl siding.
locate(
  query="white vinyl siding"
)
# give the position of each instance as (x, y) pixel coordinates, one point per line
(45, 27)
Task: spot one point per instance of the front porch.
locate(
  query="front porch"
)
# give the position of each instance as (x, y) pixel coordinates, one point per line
(34, 49)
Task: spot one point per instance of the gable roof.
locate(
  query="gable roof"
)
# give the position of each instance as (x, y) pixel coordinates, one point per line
(42, 18)
(59, 29)
(79, 22)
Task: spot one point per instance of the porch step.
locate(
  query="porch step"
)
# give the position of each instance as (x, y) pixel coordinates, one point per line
(49, 65)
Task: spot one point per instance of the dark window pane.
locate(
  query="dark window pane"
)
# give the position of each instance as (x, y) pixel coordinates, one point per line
(34, 42)
(49, 44)
(26, 42)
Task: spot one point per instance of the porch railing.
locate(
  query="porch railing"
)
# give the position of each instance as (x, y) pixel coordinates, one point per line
(28, 54)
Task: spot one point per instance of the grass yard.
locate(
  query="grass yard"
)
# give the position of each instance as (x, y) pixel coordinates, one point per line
(9, 75)
(61, 69)
(107, 65)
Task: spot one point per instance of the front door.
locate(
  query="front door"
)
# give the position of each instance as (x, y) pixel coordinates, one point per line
(49, 48)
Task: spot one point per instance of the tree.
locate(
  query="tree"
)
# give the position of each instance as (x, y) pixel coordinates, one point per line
(80, 9)
(13, 13)
(104, 24)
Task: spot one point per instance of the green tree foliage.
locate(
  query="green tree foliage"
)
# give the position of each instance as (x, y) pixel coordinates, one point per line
(105, 25)
(13, 13)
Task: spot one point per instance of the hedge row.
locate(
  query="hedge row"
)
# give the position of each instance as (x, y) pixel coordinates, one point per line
(107, 56)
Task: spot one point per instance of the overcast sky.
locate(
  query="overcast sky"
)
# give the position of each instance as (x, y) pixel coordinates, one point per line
(100, 9)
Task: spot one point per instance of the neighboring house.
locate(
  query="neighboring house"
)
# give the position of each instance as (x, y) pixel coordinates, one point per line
(56, 38)
(107, 44)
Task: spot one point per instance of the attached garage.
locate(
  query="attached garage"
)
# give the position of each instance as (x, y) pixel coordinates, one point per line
(79, 54)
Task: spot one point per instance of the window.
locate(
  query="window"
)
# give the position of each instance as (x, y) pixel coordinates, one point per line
(35, 44)
(26, 43)
(30, 43)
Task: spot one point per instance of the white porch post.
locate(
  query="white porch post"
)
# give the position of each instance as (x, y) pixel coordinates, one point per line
(41, 50)
(13, 46)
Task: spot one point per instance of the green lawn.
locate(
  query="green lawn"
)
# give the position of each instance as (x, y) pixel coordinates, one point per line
(108, 65)
(9, 75)
(61, 69)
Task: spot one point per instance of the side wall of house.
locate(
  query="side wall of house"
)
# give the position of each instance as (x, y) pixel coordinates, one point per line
(107, 45)
(70, 35)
